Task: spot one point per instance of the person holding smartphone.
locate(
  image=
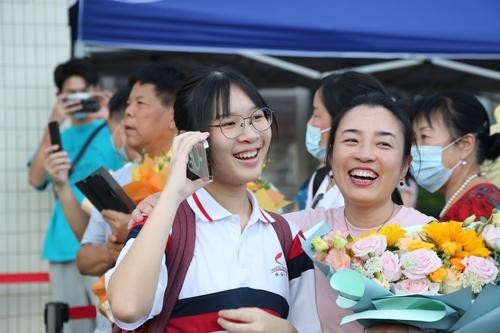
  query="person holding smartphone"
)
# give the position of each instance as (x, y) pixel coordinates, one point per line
(238, 279)
(61, 243)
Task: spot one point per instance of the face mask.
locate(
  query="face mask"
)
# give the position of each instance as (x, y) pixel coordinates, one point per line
(313, 137)
(79, 115)
(120, 153)
(427, 167)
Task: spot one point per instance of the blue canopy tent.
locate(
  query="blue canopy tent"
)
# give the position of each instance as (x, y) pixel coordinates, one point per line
(441, 32)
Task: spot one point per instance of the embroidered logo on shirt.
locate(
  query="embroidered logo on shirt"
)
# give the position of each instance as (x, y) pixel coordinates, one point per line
(280, 269)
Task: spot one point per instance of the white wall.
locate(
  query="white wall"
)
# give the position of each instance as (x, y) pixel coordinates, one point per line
(34, 37)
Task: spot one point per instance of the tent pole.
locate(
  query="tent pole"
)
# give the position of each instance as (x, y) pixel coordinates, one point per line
(286, 65)
(471, 69)
(380, 67)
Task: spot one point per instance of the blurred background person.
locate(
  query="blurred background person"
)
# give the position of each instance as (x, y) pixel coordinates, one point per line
(453, 135)
(86, 145)
(334, 93)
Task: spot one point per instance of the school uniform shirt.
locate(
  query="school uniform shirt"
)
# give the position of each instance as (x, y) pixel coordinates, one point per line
(331, 198)
(233, 268)
(329, 313)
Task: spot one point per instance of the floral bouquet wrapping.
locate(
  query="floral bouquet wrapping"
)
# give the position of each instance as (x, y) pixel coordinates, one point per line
(268, 196)
(443, 276)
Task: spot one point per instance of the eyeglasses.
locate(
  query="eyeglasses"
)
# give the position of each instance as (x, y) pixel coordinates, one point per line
(232, 126)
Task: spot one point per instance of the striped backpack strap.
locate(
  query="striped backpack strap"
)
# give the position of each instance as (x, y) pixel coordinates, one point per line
(179, 255)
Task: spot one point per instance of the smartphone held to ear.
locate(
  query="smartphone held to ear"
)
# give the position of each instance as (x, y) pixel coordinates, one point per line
(198, 163)
(55, 134)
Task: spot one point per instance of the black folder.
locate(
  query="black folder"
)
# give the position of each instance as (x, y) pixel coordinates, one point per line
(105, 193)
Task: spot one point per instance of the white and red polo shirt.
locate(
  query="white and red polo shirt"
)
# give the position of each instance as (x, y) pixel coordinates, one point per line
(233, 268)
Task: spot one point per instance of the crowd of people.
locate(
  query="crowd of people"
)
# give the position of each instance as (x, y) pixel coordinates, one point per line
(241, 268)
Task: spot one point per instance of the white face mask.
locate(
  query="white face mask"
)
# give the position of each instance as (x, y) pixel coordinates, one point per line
(427, 167)
(313, 138)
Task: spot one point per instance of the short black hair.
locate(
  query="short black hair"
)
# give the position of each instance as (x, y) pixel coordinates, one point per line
(167, 79)
(338, 90)
(75, 67)
(118, 103)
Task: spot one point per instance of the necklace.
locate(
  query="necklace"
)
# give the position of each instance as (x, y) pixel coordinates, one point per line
(458, 191)
(347, 223)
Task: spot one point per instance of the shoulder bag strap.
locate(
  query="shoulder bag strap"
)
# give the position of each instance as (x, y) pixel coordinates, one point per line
(284, 233)
(179, 258)
(84, 147)
(318, 179)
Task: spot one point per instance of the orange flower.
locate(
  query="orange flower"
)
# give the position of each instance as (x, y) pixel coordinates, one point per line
(457, 264)
(148, 177)
(438, 275)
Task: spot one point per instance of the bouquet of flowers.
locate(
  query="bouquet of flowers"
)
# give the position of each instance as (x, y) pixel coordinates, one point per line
(267, 195)
(440, 276)
(148, 177)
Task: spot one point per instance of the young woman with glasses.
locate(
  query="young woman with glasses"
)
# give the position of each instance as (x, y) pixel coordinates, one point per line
(238, 279)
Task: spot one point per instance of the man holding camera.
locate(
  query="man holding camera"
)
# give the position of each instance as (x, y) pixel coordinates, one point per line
(87, 144)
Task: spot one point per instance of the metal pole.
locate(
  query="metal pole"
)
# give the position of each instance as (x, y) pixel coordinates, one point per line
(55, 315)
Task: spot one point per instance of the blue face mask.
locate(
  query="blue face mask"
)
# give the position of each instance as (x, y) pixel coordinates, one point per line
(313, 137)
(79, 115)
(427, 167)
(120, 153)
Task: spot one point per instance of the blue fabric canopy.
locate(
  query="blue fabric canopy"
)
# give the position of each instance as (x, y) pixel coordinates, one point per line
(448, 28)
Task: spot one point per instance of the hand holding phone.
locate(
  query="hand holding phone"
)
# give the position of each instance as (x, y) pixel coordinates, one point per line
(55, 134)
(198, 163)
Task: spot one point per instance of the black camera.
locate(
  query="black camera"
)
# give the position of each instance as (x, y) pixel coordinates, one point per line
(89, 104)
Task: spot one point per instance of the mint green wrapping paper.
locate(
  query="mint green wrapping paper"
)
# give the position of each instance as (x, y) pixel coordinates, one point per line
(371, 303)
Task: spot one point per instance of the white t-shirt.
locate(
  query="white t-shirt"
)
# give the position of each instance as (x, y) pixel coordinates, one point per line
(326, 199)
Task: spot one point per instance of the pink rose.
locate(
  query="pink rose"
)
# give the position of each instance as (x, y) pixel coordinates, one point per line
(338, 259)
(419, 263)
(418, 286)
(390, 266)
(491, 235)
(484, 268)
(375, 244)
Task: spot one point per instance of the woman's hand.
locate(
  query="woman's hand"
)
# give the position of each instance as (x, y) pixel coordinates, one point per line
(144, 208)
(178, 185)
(57, 165)
(249, 320)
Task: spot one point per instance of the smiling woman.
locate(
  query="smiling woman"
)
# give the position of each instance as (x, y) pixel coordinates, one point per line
(369, 153)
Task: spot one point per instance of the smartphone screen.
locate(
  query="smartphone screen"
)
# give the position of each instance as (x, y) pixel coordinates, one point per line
(55, 134)
(198, 163)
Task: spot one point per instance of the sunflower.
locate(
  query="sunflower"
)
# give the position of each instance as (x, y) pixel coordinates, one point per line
(454, 241)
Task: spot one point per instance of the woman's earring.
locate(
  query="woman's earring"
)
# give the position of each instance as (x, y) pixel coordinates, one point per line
(402, 184)
(464, 162)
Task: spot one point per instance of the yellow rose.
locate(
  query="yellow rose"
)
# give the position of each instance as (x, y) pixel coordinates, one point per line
(438, 275)
(451, 282)
(404, 243)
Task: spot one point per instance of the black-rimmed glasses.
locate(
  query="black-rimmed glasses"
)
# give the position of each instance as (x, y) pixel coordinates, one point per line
(232, 126)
